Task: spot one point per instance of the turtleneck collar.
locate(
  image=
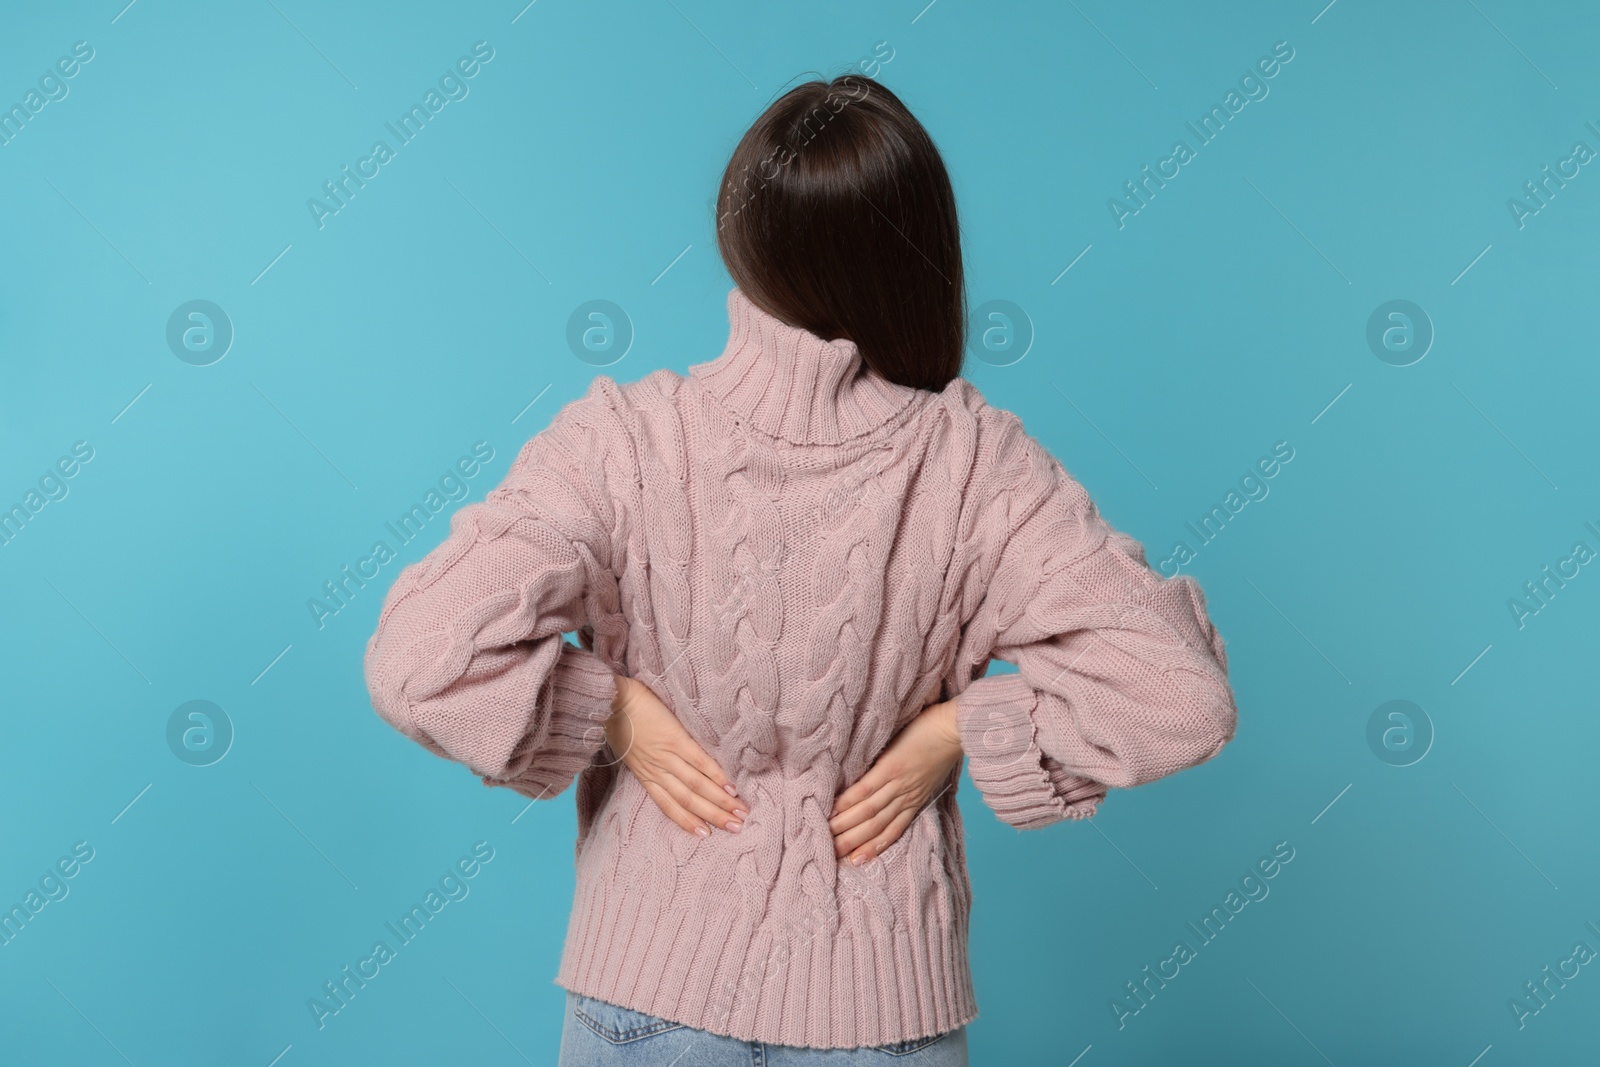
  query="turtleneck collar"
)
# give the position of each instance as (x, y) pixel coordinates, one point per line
(791, 384)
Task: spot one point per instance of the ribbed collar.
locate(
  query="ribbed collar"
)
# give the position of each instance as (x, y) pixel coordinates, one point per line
(791, 384)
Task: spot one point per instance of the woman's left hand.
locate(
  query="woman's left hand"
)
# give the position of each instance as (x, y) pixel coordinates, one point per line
(872, 814)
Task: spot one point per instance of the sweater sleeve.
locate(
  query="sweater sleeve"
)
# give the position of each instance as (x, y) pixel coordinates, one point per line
(1121, 677)
(468, 658)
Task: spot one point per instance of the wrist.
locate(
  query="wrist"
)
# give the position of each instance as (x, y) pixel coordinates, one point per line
(944, 717)
(623, 693)
(615, 721)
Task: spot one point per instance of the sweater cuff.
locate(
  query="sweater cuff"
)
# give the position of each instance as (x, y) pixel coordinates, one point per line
(1081, 795)
(1025, 788)
(577, 701)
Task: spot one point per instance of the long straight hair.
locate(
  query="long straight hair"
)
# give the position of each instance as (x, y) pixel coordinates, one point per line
(836, 215)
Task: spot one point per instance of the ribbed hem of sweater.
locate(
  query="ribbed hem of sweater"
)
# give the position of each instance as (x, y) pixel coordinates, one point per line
(579, 693)
(841, 988)
(1025, 788)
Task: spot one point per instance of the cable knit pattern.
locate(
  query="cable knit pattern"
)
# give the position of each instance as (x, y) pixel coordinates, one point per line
(797, 556)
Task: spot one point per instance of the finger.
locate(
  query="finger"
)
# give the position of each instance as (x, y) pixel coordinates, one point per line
(869, 828)
(691, 772)
(854, 818)
(701, 760)
(674, 811)
(864, 787)
(862, 810)
(889, 836)
(698, 805)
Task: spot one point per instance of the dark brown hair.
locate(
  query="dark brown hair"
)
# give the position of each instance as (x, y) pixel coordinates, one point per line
(836, 215)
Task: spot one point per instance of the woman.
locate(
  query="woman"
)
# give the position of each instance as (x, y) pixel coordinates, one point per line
(788, 570)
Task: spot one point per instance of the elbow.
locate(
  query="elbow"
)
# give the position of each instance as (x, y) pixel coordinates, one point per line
(386, 678)
(532, 783)
(1211, 715)
(1198, 720)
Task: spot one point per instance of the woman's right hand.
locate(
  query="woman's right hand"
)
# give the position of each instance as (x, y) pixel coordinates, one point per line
(908, 775)
(683, 780)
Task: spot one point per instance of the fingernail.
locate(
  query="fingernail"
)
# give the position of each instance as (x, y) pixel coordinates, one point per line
(732, 792)
(735, 827)
(855, 861)
(740, 813)
(703, 830)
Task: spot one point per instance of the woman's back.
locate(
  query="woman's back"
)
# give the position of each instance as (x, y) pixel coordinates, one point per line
(797, 556)
(822, 511)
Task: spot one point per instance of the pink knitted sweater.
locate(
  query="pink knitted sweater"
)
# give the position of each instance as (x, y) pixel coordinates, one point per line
(797, 556)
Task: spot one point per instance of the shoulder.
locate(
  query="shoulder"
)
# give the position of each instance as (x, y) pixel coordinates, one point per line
(997, 434)
(1010, 471)
(606, 401)
(602, 426)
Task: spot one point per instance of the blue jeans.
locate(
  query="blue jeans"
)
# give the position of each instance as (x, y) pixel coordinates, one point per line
(601, 1034)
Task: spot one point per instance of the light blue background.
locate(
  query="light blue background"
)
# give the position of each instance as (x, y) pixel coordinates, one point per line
(431, 311)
